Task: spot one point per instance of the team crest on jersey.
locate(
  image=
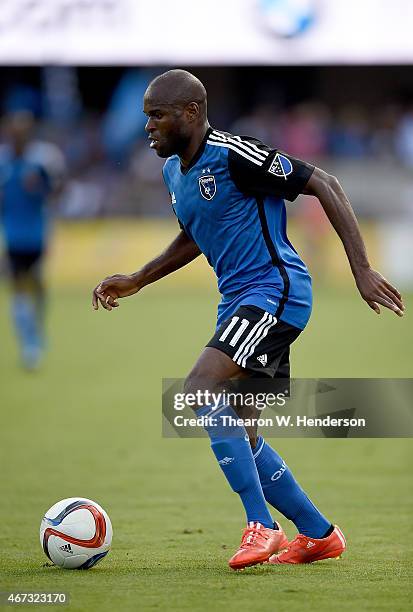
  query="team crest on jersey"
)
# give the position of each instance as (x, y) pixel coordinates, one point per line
(280, 166)
(207, 186)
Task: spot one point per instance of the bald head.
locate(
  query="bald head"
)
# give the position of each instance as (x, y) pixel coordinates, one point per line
(177, 88)
(175, 103)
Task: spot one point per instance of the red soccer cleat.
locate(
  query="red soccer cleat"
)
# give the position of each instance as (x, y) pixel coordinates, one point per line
(258, 543)
(307, 550)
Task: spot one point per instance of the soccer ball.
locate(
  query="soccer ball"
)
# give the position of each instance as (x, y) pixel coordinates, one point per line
(76, 533)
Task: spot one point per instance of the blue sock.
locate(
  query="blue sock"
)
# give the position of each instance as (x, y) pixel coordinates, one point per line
(40, 308)
(283, 492)
(24, 315)
(233, 452)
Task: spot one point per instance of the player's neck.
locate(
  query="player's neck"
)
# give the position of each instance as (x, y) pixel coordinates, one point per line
(196, 140)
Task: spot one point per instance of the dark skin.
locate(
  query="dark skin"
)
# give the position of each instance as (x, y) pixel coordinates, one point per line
(176, 126)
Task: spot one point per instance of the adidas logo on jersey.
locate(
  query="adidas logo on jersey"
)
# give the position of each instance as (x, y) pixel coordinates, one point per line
(262, 359)
(173, 198)
(66, 548)
(310, 544)
(226, 460)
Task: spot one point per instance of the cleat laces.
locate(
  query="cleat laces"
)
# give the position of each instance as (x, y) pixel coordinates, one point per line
(252, 534)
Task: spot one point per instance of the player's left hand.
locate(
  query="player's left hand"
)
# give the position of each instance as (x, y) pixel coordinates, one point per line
(375, 290)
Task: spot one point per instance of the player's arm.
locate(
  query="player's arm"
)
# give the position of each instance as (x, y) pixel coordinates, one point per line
(178, 254)
(260, 170)
(373, 287)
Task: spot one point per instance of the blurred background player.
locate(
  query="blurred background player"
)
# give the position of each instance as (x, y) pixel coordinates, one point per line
(31, 173)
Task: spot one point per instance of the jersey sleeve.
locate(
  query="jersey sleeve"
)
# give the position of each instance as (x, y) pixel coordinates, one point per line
(259, 170)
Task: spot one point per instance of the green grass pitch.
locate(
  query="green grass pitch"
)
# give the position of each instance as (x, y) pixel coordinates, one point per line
(89, 424)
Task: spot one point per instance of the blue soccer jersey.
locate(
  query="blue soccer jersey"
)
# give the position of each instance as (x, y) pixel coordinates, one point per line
(230, 202)
(25, 185)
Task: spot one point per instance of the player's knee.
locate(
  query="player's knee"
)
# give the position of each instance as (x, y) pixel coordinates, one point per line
(190, 384)
(199, 381)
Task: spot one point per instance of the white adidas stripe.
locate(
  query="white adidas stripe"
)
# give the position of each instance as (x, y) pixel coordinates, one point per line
(251, 340)
(230, 146)
(214, 411)
(249, 349)
(251, 335)
(239, 144)
(257, 341)
(247, 143)
(254, 346)
(253, 145)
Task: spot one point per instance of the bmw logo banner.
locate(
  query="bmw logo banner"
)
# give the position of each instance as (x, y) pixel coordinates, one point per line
(288, 18)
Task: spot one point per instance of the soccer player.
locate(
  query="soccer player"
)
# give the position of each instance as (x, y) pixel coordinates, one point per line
(228, 194)
(31, 172)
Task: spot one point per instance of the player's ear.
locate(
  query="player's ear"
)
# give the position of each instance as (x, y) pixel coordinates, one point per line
(192, 111)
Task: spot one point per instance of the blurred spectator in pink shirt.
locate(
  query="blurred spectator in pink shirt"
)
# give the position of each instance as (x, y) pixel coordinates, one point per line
(305, 130)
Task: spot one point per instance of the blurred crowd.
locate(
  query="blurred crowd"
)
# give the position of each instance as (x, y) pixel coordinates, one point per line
(112, 171)
(311, 130)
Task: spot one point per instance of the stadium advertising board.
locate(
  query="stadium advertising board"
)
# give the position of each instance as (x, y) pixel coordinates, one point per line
(266, 32)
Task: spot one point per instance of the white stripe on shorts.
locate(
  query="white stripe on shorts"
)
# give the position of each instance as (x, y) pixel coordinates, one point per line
(251, 336)
(257, 341)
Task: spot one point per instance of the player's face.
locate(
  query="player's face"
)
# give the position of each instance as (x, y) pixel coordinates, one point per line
(19, 127)
(167, 128)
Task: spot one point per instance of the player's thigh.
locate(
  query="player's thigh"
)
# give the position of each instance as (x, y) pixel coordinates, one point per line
(211, 369)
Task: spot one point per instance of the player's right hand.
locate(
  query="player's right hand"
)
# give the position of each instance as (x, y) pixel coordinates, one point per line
(377, 291)
(108, 291)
